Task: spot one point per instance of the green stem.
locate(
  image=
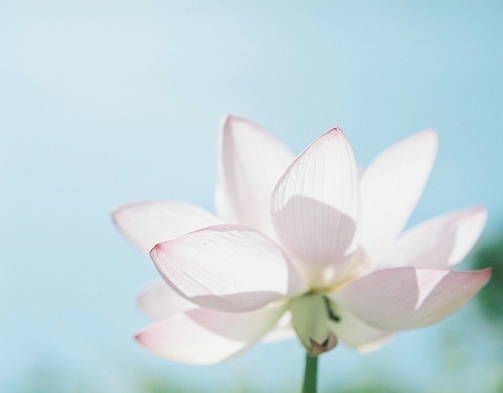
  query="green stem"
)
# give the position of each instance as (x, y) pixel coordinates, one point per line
(309, 385)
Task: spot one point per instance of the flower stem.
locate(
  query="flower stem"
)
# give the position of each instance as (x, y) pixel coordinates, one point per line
(310, 383)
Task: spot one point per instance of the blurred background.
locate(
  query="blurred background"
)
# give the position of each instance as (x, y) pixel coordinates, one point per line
(109, 102)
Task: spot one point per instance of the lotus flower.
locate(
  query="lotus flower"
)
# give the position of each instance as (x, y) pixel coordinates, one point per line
(305, 245)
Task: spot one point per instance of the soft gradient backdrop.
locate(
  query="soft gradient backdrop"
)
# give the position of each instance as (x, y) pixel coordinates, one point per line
(108, 102)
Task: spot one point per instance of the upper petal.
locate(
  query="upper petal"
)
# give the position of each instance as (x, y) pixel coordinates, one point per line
(315, 204)
(251, 160)
(438, 243)
(205, 336)
(391, 187)
(158, 300)
(407, 298)
(226, 267)
(148, 223)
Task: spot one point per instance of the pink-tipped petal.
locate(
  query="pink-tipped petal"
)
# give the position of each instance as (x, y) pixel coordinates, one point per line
(148, 223)
(205, 336)
(407, 298)
(438, 243)
(251, 160)
(391, 187)
(226, 267)
(158, 300)
(315, 204)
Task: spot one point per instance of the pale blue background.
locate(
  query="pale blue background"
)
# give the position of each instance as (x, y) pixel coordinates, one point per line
(108, 102)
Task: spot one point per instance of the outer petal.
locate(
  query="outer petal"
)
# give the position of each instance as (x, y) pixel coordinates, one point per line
(148, 223)
(158, 300)
(226, 267)
(282, 331)
(407, 298)
(438, 243)
(250, 163)
(315, 204)
(357, 334)
(391, 187)
(205, 336)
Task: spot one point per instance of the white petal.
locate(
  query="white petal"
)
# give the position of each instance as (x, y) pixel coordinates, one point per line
(315, 204)
(205, 336)
(357, 334)
(279, 334)
(158, 300)
(226, 267)
(148, 223)
(407, 298)
(391, 187)
(438, 243)
(251, 160)
(282, 331)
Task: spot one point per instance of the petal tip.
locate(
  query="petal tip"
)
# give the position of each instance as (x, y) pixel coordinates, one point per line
(336, 131)
(140, 337)
(482, 210)
(431, 134)
(157, 249)
(116, 212)
(228, 121)
(332, 134)
(479, 213)
(145, 336)
(125, 209)
(487, 273)
(428, 138)
(225, 123)
(482, 277)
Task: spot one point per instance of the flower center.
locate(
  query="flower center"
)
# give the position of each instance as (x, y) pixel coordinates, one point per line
(312, 314)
